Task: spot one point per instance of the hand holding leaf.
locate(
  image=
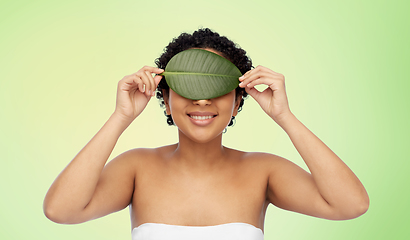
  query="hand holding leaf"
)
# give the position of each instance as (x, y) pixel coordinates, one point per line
(134, 91)
(273, 99)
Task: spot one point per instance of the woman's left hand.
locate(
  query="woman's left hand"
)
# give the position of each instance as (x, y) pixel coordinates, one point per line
(273, 99)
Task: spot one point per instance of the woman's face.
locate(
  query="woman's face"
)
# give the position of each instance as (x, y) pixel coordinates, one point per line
(202, 120)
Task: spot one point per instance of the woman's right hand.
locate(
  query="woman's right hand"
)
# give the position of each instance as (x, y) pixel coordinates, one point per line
(134, 91)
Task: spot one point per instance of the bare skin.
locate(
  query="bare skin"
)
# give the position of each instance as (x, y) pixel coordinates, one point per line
(199, 182)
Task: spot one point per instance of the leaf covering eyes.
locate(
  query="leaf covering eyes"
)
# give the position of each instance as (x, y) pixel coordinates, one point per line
(200, 74)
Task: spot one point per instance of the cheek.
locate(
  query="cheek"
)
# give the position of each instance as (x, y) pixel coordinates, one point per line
(227, 108)
(228, 102)
(177, 107)
(174, 107)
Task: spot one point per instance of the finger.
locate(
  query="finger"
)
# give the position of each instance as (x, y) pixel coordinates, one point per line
(268, 79)
(153, 69)
(259, 81)
(258, 69)
(252, 71)
(146, 82)
(145, 73)
(251, 77)
(253, 92)
(128, 79)
(243, 77)
(152, 86)
(158, 70)
(262, 97)
(270, 70)
(140, 84)
(127, 83)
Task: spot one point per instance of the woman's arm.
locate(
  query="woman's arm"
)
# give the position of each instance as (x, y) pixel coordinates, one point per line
(331, 190)
(84, 189)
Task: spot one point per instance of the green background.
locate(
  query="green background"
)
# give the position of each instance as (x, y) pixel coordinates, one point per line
(346, 68)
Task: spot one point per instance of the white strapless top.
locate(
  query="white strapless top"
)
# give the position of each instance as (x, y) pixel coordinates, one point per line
(227, 231)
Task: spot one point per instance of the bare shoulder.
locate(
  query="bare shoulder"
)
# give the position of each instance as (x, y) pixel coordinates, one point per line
(262, 156)
(278, 170)
(264, 164)
(267, 160)
(288, 185)
(140, 155)
(276, 166)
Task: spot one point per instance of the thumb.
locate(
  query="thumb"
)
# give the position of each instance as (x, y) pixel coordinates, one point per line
(254, 93)
(157, 79)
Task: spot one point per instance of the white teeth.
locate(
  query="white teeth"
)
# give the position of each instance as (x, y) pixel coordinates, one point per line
(201, 117)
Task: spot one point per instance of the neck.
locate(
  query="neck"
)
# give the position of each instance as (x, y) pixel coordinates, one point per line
(203, 155)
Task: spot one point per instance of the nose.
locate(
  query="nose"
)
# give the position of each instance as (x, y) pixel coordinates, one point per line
(204, 102)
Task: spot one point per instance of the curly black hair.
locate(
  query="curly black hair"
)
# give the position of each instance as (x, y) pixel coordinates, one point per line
(203, 38)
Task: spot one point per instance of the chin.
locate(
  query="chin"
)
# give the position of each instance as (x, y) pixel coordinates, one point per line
(201, 136)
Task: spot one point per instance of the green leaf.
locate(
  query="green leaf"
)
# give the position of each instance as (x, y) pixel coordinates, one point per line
(200, 74)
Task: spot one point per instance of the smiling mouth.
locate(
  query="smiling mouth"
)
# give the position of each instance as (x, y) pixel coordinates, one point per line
(196, 117)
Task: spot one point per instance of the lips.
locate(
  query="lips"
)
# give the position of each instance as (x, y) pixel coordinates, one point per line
(201, 118)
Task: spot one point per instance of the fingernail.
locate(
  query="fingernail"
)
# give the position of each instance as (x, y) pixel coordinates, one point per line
(241, 77)
(149, 92)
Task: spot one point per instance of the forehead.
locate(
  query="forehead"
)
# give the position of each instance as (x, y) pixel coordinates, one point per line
(211, 50)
